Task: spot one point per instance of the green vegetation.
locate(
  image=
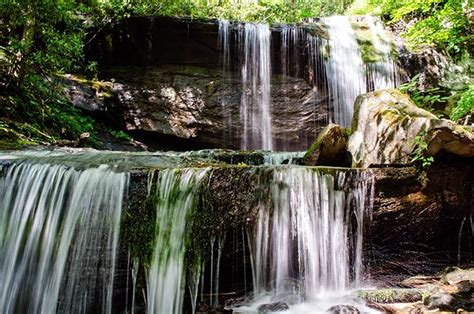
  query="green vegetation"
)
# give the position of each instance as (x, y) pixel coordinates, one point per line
(464, 106)
(265, 11)
(421, 157)
(442, 24)
(41, 41)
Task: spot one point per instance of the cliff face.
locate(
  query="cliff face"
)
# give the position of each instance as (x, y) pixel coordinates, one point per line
(169, 85)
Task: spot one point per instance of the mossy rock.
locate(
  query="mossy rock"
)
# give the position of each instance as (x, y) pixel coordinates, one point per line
(11, 139)
(329, 148)
(390, 295)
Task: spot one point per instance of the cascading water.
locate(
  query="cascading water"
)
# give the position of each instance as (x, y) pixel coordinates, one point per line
(59, 232)
(383, 73)
(176, 189)
(346, 73)
(224, 46)
(345, 70)
(289, 40)
(311, 242)
(279, 158)
(255, 110)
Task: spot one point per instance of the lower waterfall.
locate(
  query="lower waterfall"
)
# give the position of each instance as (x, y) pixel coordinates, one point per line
(60, 231)
(176, 190)
(310, 243)
(59, 237)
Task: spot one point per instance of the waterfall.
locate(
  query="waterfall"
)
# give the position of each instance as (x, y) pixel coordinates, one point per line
(279, 158)
(346, 73)
(311, 242)
(59, 232)
(289, 50)
(344, 69)
(224, 46)
(255, 111)
(382, 73)
(176, 189)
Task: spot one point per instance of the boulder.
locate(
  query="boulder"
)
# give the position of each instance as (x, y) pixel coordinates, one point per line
(201, 105)
(442, 301)
(329, 148)
(86, 94)
(273, 307)
(462, 279)
(386, 125)
(343, 309)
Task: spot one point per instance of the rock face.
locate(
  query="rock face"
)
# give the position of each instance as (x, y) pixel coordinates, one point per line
(385, 127)
(413, 214)
(329, 148)
(202, 105)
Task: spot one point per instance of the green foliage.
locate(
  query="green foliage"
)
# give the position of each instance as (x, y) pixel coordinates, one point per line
(464, 106)
(436, 99)
(420, 155)
(263, 11)
(437, 23)
(427, 99)
(121, 135)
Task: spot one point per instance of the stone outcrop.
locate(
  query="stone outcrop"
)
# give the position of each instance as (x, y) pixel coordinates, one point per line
(420, 220)
(387, 128)
(329, 148)
(424, 294)
(200, 106)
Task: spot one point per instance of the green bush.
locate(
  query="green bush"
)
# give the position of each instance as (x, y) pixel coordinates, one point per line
(442, 24)
(464, 106)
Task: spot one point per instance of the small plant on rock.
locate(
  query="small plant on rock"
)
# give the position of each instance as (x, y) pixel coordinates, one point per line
(421, 157)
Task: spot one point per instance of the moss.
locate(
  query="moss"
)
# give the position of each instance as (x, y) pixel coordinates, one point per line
(390, 295)
(139, 219)
(103, 88)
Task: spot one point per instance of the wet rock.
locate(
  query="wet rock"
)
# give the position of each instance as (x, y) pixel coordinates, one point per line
(343, 309)
(201, 105)
(382, 308)
(329, 148)
(386, 124)
(462, 277)
(273, 307)
(390, 295)
(86, 94)
(420, 281)
(442, 301)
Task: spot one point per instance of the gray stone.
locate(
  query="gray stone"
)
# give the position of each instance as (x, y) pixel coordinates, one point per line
(343, 309)
(385, 126)
(273, 307)
(442, 301)
(463, 279)
(86, 94)
(388, 295)
(200, 104)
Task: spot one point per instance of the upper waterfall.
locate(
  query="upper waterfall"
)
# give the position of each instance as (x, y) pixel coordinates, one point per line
(340, 56)
(255, 106)
(344, 69)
